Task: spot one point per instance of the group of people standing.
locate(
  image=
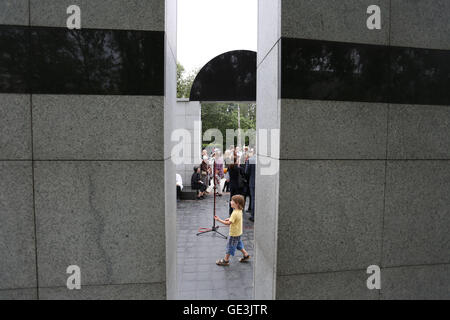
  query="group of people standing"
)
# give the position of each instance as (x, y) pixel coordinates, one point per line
(236, 168)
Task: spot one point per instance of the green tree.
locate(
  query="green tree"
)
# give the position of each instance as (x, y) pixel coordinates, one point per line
(224, 116)
(184, 81)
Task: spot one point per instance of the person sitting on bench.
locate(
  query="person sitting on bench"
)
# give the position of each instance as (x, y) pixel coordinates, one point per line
(197, 183)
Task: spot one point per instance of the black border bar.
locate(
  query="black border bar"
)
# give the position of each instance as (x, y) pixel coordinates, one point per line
(49, 60)
(329, 70)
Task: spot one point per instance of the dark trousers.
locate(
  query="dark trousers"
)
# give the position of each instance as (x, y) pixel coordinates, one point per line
(226, 187)
(252, 201)
(199, 187)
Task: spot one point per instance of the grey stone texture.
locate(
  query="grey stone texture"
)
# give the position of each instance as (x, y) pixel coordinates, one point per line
(171, 14)
(267, 94)
(103, 186)
(420, 23)
(69, 127)
(266, 219)
(17, 242)
(344, 285)
(169, 236)
(14, 12)
(15, 127)
(143, 291)
(19, 294)
(267, 175)
(419, 132)
(334, 20)
(333, 130)
(269, 26)
(341, 205)
(105, 217)
(417, 220)
(103, 14)
(170, 95)
(430, 282)
(187, 116)
(330, 215)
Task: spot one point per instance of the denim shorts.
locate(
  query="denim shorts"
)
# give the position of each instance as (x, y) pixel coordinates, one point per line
(233, 244)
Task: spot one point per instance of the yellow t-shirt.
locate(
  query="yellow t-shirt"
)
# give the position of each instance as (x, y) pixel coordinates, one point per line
(236, 225)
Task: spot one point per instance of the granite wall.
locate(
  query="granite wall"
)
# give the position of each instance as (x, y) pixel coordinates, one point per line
(170, 100)
(188, 118)
(364, 150)
(85, 149)
(84, 116)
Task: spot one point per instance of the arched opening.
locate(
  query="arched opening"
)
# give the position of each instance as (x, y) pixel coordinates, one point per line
(230, 76)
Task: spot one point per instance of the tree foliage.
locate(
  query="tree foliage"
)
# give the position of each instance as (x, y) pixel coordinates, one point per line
(184, 81)
(224, 116)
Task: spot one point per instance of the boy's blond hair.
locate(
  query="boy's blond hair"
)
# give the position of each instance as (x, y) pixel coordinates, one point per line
(239, 200)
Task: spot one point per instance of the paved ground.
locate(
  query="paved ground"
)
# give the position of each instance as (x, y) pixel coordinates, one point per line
(198, 275)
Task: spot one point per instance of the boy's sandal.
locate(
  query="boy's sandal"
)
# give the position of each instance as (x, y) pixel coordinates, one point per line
(222, 262)
(244, 259)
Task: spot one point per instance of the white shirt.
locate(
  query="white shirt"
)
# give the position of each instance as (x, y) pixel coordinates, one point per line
(179, 181)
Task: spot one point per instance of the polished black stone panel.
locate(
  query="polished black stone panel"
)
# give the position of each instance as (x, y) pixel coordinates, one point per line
(325, 70)
(230, 76)
(97, 61)
(420, 76)
(88, 61)
(14, 59)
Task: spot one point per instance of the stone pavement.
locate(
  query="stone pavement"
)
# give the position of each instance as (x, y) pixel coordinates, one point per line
(198, 275)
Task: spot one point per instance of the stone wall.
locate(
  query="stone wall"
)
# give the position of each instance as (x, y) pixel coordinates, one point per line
(170, 93)
(188, 116)
(82, 164)
(85, 150)
(364, 165)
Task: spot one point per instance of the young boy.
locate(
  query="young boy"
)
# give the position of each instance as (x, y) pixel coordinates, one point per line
(235, 223)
